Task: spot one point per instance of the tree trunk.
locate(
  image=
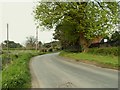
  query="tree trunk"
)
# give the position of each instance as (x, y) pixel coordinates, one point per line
(84, 43)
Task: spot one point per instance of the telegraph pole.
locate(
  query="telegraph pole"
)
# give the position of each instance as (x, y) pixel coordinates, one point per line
(8, 40)
(36, 39)
(7, 37)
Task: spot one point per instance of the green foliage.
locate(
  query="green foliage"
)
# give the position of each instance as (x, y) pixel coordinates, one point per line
(73, 20)
(115, 36)
(67, 34)
(17, 74)
(66, 31)
(92, 18)
(104, 51)
(14, 48)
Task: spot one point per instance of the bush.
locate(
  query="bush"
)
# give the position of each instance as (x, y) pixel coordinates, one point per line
(104, 51)
(50, 50)
(73, 48)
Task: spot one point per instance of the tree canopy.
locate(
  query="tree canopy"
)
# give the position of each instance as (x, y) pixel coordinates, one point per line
(84, 20)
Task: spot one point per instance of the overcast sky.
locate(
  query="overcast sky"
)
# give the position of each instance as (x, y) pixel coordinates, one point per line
(18, 14)
(21, 22)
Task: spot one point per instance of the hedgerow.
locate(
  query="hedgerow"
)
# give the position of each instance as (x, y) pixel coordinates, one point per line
(105, 51)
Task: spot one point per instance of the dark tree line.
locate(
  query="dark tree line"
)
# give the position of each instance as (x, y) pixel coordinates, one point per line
(11, 44)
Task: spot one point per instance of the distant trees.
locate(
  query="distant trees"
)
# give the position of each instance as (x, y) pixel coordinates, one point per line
(11, 44)
(30, 42)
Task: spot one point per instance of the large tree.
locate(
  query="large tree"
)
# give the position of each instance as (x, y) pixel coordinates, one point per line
(92, 20)
(68, 36)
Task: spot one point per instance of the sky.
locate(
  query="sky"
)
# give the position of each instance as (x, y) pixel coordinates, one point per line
(18, 14)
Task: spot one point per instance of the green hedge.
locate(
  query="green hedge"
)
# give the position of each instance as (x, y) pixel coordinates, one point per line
(104, 51)
(14, 48)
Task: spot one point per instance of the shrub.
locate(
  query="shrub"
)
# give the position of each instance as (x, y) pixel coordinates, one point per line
(50, 50)
(104, 51)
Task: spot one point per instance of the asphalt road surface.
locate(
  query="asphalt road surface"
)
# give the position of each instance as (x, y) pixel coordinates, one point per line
(53, 71)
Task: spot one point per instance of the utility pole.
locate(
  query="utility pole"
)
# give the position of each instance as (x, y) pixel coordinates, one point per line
(7, 37)
(8, 40)
(51, 45)
(36, 39)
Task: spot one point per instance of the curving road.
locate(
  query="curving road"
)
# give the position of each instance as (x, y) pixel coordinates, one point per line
(53, 71)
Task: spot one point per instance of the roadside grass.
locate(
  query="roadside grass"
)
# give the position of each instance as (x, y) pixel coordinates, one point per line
(17, 73)
(98, 60)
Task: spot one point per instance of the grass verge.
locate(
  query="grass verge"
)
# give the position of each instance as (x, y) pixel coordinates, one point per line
(98, 60)
(17, 73)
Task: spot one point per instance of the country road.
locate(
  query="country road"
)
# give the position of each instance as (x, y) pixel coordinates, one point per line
(53, 71)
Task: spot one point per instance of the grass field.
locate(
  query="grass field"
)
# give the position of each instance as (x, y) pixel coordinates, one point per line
(16, 74)
(99, 60)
